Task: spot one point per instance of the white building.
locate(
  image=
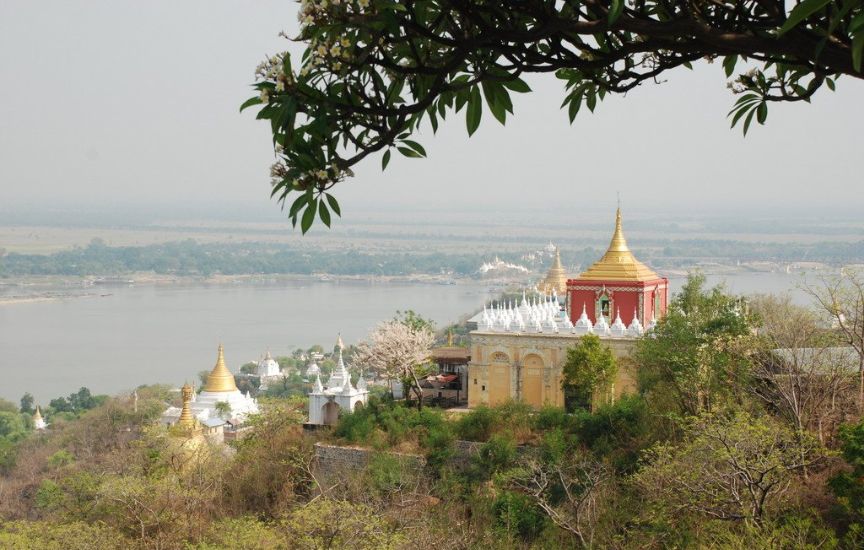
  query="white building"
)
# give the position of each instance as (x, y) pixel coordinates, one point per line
(220, 388)
(39, 422)
(267, 371)
(326, 402)
(312, 370)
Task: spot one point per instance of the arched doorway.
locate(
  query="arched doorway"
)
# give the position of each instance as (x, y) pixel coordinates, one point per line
(330, 413)
(358, 406)
(499, 378)
(532, 380)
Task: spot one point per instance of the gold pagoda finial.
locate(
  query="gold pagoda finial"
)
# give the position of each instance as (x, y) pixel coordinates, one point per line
(37, 415)
(450, 338)
(618, 263)
(339, 343)
(619, 243)
(187, 420)
(220, 378)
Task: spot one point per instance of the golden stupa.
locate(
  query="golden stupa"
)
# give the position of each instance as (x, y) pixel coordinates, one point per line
(187, 420)
(220, 378)
(555, 279)
(37, 416)
(618, 263)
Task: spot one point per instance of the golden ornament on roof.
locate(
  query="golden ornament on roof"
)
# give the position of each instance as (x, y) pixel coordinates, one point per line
(220, 378)
(618, 263)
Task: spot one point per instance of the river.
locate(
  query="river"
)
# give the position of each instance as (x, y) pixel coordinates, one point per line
(145, 334)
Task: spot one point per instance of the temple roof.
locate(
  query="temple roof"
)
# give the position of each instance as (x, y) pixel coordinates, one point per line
(618, 263)
(220, 378)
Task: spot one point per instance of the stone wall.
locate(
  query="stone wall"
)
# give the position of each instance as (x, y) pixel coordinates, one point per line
(334, 461)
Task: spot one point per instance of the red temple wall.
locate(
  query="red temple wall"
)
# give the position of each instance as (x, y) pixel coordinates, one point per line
(624, 300)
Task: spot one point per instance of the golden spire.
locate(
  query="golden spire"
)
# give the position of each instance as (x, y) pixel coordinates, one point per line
(220, 379)
(37, 416)
(450, 338)
(619, 243)
(339, 343)
(187, 420)
(618, 263)
(555, 279)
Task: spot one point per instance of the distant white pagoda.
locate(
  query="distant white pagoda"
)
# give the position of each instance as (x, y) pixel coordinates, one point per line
(39, 422)
(326, 402)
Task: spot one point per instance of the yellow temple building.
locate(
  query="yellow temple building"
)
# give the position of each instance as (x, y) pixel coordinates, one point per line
(518, 350)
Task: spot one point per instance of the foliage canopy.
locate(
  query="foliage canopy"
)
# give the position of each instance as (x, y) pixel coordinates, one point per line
(374, 71)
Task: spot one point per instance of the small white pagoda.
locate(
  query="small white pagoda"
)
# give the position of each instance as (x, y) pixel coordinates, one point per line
(268, 371)
(39, 422)
(338, 396)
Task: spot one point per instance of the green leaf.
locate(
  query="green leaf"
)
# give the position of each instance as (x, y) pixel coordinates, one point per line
(416, 146)
(830, 83)
(475, 110)
(333, 204)
(615, 10)
(250, 102)
(385, 160)
(591, 101)
(748, 120)
(517, 85)
(857, 50)
(324, 214)
(801, 12)
(762, 112)
(575, 104)
(308, 216)
(729, 63)
(298, 204)
(409, 152)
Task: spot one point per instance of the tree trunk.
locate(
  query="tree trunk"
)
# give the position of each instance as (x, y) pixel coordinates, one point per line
(418, 391)
(861, 384)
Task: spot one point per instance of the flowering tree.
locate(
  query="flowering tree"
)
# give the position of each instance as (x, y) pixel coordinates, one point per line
(397, 352)
(375, 70)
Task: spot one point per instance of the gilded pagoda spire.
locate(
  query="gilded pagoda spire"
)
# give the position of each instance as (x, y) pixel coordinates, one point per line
(619, 243)
(37, 416)
(187, 419)
(220, 378)
(556, 278)
(618, 263)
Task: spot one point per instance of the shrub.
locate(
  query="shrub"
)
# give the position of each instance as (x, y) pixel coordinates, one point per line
(496, 455)
(477, 424)
(516, 514)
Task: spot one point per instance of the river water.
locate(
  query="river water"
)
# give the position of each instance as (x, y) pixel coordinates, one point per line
(168, 333)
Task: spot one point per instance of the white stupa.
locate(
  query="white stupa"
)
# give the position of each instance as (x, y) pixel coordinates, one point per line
(338, 396)
(268, 367)
(313, 370)
(618, 328)
(39, 422)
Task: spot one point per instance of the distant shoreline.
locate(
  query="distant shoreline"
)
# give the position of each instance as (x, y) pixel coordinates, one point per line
(54, 289)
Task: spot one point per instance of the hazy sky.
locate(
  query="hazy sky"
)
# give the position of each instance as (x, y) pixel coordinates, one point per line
(137, 102)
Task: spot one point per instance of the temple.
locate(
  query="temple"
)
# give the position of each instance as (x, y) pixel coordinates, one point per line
(519, 348)
(328, 401)
(556, 279)
(220, 400)
(618, 285)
